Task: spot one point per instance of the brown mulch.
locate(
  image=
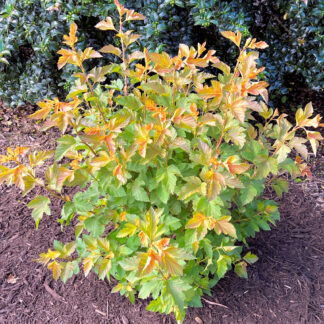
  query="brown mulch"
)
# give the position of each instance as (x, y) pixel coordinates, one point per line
(284, 286)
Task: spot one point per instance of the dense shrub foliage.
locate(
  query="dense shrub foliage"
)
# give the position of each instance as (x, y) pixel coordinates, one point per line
(294, 29)
(31, 31)
(170, 164)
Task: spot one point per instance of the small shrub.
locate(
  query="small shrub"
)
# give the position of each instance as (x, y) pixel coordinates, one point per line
(170, 163)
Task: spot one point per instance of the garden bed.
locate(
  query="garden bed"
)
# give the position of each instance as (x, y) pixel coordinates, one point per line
(284, 286)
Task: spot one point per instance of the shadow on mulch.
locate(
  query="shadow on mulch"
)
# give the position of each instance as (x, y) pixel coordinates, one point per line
(284, 286)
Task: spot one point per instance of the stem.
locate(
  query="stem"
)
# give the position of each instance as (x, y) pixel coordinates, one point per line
(90, 85)
(123, 53)
(85, 143)
(222, 134)
(173, 88)
(54, 193)
(163, 276)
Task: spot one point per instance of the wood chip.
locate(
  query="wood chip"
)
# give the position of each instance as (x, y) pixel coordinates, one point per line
(198, 320)
(12, 279)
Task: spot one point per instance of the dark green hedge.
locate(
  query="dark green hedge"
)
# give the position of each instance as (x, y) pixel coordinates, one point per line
(32, 30)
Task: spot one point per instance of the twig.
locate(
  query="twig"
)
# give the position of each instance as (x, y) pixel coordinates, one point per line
(213, 303)
(55, 295)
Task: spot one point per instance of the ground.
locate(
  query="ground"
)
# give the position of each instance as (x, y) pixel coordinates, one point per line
(284, 286)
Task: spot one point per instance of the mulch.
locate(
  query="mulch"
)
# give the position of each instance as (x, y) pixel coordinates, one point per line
(284, 286)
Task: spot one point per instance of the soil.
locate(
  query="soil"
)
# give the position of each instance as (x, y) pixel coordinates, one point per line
(284, 286)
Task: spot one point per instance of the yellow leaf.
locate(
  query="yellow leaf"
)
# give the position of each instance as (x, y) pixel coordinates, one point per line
(104, 244)
(42, 113)
(100, 161)
(52, 254)
(117, 288)
(110, 49)
(67, 56)
(56, 269)
(197, 220)
(257, 88)
(128, 230)
(104, 268)
(64, 174)
(87, 265)
(223, 225)
(106, 24)
(200, 222)
(90, 53)
(169, 261)
(314, 138)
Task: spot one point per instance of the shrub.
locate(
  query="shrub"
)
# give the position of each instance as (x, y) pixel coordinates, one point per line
(293, 28)
(170, 164)
(32, 73)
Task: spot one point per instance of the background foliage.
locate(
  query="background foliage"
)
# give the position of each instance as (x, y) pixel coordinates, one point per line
(31, 31)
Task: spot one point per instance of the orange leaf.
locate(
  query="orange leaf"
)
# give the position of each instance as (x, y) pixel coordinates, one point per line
(109, 140)
(119, 173)
(63, 175)
(132, 15)
(215, 91)
(235, 38)
(236, 168)
(257, 88)
(71, 39)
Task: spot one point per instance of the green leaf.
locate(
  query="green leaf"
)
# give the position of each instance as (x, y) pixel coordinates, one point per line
(222, 266)
(253, 150)
(68, 269)
(130, 101)
(280, 186)
(67, 213)
(240, 269)
(288, 165)
(138, 192)
(151, 286)
(163, 193)
(40, 205)
(250, 258)
(248, 194)
(84, 201)
(265, 166)
(65, 144)
(176, 288)
(94, 226)
(193, 186)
